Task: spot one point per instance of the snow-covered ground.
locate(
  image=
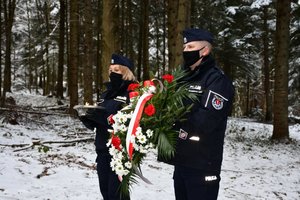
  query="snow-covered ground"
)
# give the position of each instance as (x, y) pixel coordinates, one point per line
(253, 167)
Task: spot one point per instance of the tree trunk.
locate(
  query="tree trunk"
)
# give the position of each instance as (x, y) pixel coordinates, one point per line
(172, 6)
(164, 36)
(88, 71)
(247, 110)
(41, 73)
(110, 34)
(266, 66)
(145, 40)
(1, 51)
(99, 80)
(47, 42)
(182, 22)
(61, 49)
(227, 66)
(280, 124)
(30, 64)
(67, 26)
(122, 26)
(9, 12)
(157, 28)
(140, 46)
(73, 67)
(130, 45)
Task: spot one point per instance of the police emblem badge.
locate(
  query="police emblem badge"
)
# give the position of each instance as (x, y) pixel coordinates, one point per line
(217, 102)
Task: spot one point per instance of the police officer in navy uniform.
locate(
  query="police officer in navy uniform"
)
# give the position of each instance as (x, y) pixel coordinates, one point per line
(112, 100)
(199, 150)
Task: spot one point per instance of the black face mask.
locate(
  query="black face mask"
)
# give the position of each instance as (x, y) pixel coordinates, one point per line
(116, 80)
(190, 58)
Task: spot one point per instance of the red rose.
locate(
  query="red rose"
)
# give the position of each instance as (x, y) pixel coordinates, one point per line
(148, 83)
(168, 77)
(150, 110)
(133, 94)
(133, 86)
(116, 142)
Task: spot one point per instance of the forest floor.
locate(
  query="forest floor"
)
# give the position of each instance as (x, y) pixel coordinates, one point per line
(51, 157)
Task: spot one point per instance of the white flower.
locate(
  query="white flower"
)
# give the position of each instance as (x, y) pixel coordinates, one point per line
(151, 145)
(119, 155)
(136, 147)
(112, 150)
(119, 168)
(120, 171)
(142, 139)
(123, 119)
(119, 127)
(143, 150)
(128, 165)
(149, 133)
(123, 128)
(125, 172)
(116, 128)
(114, 163)
(120, 117)
(115, 117)
(138, 131)
(152, 89)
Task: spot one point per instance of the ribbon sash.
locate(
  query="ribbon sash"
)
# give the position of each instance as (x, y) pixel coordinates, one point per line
(135, 121)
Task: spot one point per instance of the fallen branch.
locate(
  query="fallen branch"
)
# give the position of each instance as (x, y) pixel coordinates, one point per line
(83, 164)
(44, 173)
(33, 112)
(42, 143)
(13, 145)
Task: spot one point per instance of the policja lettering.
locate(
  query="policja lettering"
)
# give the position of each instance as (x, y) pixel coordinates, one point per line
(210, 178)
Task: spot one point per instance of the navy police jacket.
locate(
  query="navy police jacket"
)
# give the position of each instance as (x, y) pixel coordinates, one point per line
(201, 135)
(112, 100)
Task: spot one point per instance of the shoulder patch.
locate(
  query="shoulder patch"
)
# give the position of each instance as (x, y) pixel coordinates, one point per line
(217, 102)
(216, 99)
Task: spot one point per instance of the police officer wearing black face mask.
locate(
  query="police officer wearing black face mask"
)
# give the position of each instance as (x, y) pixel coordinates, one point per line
(112, 100)
(199, 148)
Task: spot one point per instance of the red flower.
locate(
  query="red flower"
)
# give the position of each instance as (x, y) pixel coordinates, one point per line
(168, 77)
(110, 119)
(148, 83)
(133, 86)
(133, 94)
(116, 142)
(150, 110)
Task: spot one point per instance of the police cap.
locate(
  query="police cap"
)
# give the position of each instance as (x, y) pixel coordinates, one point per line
(194, 34)
(121, 60)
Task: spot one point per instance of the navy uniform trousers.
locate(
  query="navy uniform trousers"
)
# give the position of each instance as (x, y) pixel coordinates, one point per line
(193, 184)
(108, 180)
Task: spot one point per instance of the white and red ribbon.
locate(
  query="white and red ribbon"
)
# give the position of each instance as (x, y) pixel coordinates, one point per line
(135, 121)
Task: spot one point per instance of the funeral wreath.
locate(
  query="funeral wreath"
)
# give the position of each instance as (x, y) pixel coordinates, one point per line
(146, 124)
